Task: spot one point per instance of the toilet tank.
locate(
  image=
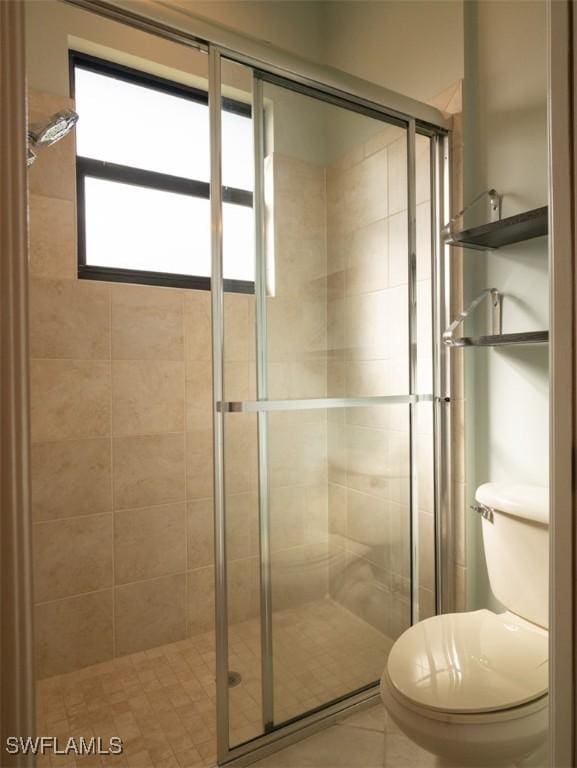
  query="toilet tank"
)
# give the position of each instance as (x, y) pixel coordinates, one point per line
(516, 538)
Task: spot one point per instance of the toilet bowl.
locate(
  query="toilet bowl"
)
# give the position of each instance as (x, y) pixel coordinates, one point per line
(472, 687)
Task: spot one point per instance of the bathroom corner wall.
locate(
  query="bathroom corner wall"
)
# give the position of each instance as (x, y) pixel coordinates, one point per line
(455, 572)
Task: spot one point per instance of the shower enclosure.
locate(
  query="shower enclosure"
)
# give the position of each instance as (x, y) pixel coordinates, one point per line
(326, 445)
(330, 391)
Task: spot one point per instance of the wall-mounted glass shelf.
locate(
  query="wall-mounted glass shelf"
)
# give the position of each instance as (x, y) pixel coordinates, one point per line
(497, 338)
(513, 229)
(501, 339)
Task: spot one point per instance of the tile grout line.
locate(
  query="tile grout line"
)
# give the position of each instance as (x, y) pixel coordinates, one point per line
(118, 510)
(127, 436)
(345, 724)
(130, 584)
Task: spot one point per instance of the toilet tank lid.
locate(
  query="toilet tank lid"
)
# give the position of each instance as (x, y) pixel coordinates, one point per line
(530, 502)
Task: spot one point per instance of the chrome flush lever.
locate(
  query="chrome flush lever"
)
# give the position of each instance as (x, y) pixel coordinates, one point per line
(485, 512)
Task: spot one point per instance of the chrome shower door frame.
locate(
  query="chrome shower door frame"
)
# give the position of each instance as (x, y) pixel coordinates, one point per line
(184, 28)
(272, 737)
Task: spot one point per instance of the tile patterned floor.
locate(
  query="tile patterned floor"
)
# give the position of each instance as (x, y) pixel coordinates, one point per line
(368, 739)
(321, 652)
(161, 702)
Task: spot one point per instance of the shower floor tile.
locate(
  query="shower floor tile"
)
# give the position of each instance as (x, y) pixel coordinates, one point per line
(161, 702)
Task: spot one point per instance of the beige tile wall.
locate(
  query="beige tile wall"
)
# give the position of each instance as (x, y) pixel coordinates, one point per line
(369, 514)
(122, 437)
(122, 433)
(297, 355)
(122, 446)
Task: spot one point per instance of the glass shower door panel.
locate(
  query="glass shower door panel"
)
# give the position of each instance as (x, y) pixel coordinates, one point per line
(340, 551)
(337, 327)
(337, 287)
(423, 469)
(243, 577)
(241, 459)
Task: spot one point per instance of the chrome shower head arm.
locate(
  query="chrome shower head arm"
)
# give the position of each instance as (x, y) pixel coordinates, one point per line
(58, 126)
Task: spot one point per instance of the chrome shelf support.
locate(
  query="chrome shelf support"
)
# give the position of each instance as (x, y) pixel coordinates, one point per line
(496, 316)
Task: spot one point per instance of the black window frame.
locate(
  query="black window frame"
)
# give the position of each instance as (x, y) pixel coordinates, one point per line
(101, 169)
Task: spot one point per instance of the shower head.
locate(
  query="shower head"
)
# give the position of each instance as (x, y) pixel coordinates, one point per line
(55, 129)
(45, 134)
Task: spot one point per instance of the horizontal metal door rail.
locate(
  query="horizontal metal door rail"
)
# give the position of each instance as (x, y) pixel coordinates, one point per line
(311, 404)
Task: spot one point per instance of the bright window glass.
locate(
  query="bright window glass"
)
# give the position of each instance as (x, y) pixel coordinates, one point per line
(238, 242)
(137, 228)
(237, 155)
(141, 127)
(146, 229)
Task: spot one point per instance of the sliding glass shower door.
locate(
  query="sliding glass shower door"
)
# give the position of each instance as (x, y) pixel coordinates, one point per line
(319, 498)
(336, 349)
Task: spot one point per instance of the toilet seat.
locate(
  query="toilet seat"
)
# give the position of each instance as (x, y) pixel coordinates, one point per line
(479, 739)
(390, 694)
(471, 688)
(470, 664)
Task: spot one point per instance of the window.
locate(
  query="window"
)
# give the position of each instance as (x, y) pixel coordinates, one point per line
(143, 173)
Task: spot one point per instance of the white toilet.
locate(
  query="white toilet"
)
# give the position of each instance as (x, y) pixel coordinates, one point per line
(472, 687)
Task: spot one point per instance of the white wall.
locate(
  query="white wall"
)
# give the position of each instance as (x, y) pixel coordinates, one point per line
(52, 28)
(505, 129)
(415, 48)
(295, 25)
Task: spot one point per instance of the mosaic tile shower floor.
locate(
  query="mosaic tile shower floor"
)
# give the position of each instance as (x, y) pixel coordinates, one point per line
(161, 702)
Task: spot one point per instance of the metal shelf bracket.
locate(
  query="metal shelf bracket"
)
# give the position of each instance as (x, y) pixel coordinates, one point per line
(496, 316)
(494, 210)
